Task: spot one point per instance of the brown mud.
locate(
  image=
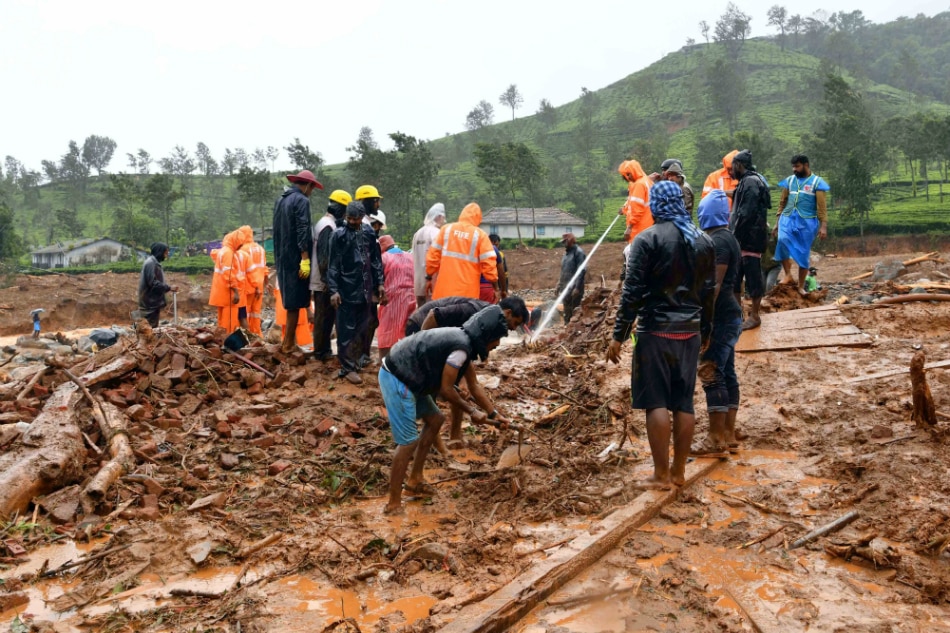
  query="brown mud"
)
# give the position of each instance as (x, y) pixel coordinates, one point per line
(258, 503)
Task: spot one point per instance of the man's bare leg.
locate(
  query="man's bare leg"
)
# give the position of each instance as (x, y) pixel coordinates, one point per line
(802, 273)
(455, 428)
(787, 269)
(397, 475)
(754, 319)
(683, 426)
(431, 425)
(658, 432)
(289, 344)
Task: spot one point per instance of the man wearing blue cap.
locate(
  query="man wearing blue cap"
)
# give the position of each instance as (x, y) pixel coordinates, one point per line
(668, 290)
(717, 369)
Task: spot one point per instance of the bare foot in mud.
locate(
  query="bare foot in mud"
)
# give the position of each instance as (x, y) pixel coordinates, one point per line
(678, 480)
(788, 281)
(455, 444)
(802, 291)
(394, 511)
(653, 484)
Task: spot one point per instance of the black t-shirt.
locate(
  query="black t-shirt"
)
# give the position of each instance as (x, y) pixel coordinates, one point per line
(449, 312)
(727, 253)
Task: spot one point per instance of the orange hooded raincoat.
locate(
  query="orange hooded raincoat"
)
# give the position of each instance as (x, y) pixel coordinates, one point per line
(256, 279)
(722, 178)
(637, 207)
(461, 254)
(229, 275)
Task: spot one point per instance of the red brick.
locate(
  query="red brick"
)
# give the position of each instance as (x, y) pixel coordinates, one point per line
(223, 429)
(324, 426)
(162, 383)
(150, 501)
(179, 362)
(264, 441)
(161, 351)
(168, 423)
(148, 448)
(203, 338)
(136, 412)
(153, 488)
(274, 422)
(255, 425)
(228, 460)
(278, 467)
(174, 413)
(178, 375)
(255, 389)
(201, 471)
(215, 352)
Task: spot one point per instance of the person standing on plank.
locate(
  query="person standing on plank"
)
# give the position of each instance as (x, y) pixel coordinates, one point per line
(803, 215)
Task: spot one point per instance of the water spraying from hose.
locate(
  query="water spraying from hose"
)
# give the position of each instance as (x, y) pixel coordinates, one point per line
(550, 313)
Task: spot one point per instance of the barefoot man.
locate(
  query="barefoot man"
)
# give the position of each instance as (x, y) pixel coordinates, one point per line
(668, 290)
(803, 214)
(425, 364)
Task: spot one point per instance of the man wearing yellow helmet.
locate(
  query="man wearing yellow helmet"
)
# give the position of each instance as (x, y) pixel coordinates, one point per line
(369, 196)
(324, 314)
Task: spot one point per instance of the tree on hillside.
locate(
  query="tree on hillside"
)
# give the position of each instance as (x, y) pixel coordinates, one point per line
(732, 29)
(511, 98)
(547, 114)
(159, 196)
(646, 85)
(241, 158)
(68, 223)
(50, 170)
(141, 162)
(704, 29)
(255, 188)
(228, 162)
(11, 246)
(778, 17)
(847, 148)
(513, 171)
(482, 115)
(260, 158)
(302, 157)
(73, 170)
(726, 88)
(795, 25)
(206, 162)
(272, 154)
(181, 164)
(402, 174)
(97, 152)
(129, 223)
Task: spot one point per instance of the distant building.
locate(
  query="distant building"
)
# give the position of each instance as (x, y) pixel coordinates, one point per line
(543, 223)
(84, 252)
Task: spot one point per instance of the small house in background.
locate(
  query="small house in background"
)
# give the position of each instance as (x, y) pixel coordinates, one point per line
(542, 223)
(84, 252)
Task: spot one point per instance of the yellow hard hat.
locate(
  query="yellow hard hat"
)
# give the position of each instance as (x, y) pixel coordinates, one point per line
(367, 191)
(341, 196)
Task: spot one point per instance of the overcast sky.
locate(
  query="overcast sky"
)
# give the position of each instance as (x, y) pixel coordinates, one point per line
(253, 74)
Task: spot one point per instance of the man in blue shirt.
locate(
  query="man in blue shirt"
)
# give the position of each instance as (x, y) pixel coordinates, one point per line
(803, 214)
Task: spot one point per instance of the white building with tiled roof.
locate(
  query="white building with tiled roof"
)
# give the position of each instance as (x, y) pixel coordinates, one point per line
(538, 223)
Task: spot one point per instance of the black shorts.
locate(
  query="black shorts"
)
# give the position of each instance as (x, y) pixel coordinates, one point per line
(751, 271)
(664, 372)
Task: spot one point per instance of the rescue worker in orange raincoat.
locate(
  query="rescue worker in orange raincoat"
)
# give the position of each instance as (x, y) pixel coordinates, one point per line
(228, 282)
(722, 178)
(256, 276)
(461, 254)
(637, 207)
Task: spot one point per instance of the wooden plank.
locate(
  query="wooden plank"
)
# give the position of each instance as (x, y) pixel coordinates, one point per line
(896, 372)
(808, 328)
(512, 602)
(811, 324)
(778, 345)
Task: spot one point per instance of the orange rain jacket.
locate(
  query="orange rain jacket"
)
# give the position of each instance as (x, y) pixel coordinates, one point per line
(229, 267)
(256, 267)
(461, 253)
(722, 178)
(637, 206)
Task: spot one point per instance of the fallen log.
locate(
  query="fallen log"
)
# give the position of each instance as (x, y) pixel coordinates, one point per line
(914, 297)
(881, 557)
(929, 257)
(29, 386)
(828, 528)
(50, 454)
(113, 425)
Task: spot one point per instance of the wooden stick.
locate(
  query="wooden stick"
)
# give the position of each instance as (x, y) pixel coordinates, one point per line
(910, 262)
(828, 528)
(914, 297)
(259, 545)
(35, 379)
(542, 548)
(754, 504)
(764, 537)
(82, 561)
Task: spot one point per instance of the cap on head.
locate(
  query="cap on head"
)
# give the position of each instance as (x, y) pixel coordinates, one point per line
(813, 270)
(379, 216)
(354, 210)
(484, 327)
(341, 197)
(367, 191)
(386, 242)
(305, 177)
(674, 168)
(568, 237)
(669, 162)
(744, 157)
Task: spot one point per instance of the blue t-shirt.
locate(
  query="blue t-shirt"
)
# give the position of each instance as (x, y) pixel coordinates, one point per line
(801, 194)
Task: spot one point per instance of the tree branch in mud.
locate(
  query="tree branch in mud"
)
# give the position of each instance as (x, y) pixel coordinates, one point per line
(925, 413)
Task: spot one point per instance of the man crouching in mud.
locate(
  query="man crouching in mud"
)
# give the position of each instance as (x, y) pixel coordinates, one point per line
(668, 289)
(429, 363)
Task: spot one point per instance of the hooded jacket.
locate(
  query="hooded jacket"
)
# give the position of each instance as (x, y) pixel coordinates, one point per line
(419, 360)
(255, 258)
(750, 208)
(461, 254)
(722, 178)
(355, 269)
(292, 236)
(421, 242)
(637, 207)
(229, 270)
(152, 286)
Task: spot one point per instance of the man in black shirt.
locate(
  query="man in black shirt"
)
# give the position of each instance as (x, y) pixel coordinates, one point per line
(572, 261)
(424, 365)
(455, 311)
(749, 223)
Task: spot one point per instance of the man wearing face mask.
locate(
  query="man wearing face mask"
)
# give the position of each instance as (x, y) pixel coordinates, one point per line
(374, 221)
(293, 241)
(152, 286)
(355, 271)
(324, 314)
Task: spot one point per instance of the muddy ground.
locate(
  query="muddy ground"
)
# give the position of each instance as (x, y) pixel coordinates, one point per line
(296, 467)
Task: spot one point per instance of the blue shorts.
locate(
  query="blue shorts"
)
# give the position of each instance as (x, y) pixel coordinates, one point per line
(403, 408)
(36, 326)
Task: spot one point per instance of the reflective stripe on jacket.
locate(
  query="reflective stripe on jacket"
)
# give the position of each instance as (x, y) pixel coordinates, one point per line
(461, 254)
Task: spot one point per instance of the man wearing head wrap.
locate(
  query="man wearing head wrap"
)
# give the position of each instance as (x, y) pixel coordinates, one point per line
(355, 272)
(152, 286)
(421, 242)
(749, 223)
(718, 361)
(422, 366)
(668, 291)
(324, 314)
